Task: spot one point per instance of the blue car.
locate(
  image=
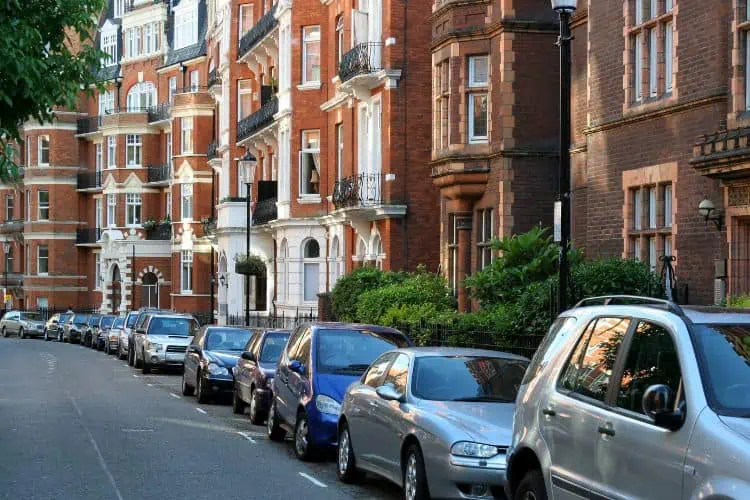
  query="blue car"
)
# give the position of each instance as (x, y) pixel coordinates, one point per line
(320, 361)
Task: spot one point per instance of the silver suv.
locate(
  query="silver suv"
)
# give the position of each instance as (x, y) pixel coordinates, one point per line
(162, 340)
(635, 401)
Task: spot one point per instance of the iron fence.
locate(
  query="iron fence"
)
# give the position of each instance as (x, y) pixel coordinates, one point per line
(161, 232)
(88, 235)
(88, 125)
(258, 120)
(89, 180)
(364, 58)
(213, 151)
(283, 321)
(358, 190)
(158, 173)
(264, 26)
(159, 112)
(265, 211)
(213, 78)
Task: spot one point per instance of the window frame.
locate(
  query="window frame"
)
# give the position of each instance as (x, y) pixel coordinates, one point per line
(41, 148)
(243, 91)
(40, 258)
(473, 83)
(304, 150)
(186, 271)
(195, 80)
(241, 28)
(473, 138)
(134, 204)
(111, 151)
(40, 207)
(186, 201)
(340, 42)
(10, 206)
(134, 145)
(340, 151)
(186, 135)
(185, 26)
(111, 210)
(97, 270)
(309, 38)
(484, 240)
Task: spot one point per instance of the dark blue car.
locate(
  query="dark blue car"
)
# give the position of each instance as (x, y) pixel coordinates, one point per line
(319, 363)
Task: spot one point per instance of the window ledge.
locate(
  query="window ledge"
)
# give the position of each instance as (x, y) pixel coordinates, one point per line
(309, 200)
(651, 104)
(310, 86)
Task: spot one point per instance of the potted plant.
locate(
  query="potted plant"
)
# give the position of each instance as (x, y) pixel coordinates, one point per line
(251, 265)
(149, 224)
(165, 220)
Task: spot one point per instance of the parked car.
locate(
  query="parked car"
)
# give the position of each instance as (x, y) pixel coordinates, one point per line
(105, 323)
(165, 337)
(73, 328)
(56, 330)
(210, 361)
(253, 375)
(112, 335)
(320, 361)
(125, 331)
(91, 331)
(135, 338)
(50, 327)
(636, 401)
(435, 421)
(23, 324)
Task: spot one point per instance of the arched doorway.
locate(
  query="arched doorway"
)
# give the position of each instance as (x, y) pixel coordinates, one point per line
(116, 289)
(150, 284)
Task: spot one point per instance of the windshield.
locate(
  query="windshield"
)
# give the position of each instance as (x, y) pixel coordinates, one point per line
(107, 321)
(273, 346)
(227, 339)
(64, 318)
(461, 378)
(31, 316)
(118, 323)
(181, 327)
(350, 352)
(94, 320)
(725, 352)
(80, 319)
(131, 320)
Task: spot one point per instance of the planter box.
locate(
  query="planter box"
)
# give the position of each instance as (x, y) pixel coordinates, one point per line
(249, 269)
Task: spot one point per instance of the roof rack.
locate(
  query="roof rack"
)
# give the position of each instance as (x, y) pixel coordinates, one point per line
(608, 299)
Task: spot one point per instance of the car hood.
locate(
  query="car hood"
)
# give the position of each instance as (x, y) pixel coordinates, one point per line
(334, 385)
(226, 358)
(489, 423)
(738, 424)
(169, 339)
(32, 323)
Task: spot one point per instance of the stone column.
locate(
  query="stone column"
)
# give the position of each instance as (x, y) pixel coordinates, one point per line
(463, 223)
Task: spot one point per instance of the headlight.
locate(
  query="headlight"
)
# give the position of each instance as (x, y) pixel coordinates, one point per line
(150, 346)
(326, 404)
(474, 450)
(215, 369)
(269, 383)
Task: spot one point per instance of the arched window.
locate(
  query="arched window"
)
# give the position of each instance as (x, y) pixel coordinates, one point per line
(311, 271)
(283, 271)
(150, 296)
(141, 96)
(377, 250)
(335, 271)
(361, 249)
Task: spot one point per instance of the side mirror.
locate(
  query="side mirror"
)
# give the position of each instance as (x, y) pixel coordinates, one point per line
(658, 405)
(248, 356)
(140, 330)
(297, 367)
(194, 349)
(388, 393)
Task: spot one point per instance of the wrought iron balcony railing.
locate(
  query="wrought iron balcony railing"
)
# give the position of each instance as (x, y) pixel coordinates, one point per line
(358, 191)
(265, 211)
(213, 151)
(363, 59)
(11, 226)
(88, 235)
(160, 232)
(213, 78)
(90, 180)
(159, 112)
(258, 120)
(263, 27)
(88, 125)
(159, 173)
(10, 279)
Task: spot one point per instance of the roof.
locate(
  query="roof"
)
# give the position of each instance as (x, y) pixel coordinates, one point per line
(191, 51)
(717, 315)
(352, 326)
(695, 314)
(426, 352)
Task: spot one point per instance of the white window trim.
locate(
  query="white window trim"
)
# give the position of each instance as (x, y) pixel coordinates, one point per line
(305, 41)
(183, 269)
(340, 140)
(653, 62)
(476, 139)
(134, 143)
(39, 259)
(111, 210)
(97, 270)
(241, 28)
(98, 156)
(638, 66)
(133, 200)
(669, 57)
(185, 25)
(186, 131)
(112, 151)
(98, 213)
(186, 200)
(39, 205)
(472, 65)
(39, 151)
(240, 93)
(313, 197)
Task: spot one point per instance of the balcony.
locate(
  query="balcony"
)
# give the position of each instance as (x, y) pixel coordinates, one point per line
(365, 193)
(213, 151)
(213, 78)
(232, 213)
(11, 226)
(363, 59)
(124, 117)
(257, 33)
(257, 121)
(159, 174)
(11, 279)
(160, 232)
(159, 112)
(88, 236)
(89, 180)
(88, 125)
(265, 211)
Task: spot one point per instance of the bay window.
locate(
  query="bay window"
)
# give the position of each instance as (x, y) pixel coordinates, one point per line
(43, 151)
(187, 201)
(112, 151)
(478, 97)
(111, 210)
(187, 134)
(42, 259)
(42, 205)
(98, 157)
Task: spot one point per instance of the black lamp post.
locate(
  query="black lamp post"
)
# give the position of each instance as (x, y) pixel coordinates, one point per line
(565, 9)
(709, 212)
(118, 83)
(249, 161)
(6, 249)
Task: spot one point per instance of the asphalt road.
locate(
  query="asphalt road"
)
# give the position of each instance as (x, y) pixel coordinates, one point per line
(78, 424)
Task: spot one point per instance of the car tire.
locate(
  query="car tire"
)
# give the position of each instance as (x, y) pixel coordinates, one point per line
(131, 357)
(273, 427)
(187, 390)
(303, 448)
(531, 487)
(200, 391)
(415, 478)
(5, 333)
(238, 406)
(46, 335)
(256, 416)
(346, 465)
(21, 334)
(136, 363)
(145, 367)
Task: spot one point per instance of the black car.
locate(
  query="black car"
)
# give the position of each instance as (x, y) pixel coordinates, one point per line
(210, 360)
(105, 323)
(91, 331)
(253, 375)
(75, 326)
(54, 327)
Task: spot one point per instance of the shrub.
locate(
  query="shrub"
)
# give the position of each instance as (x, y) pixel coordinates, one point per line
(348, 288)
(614, 276)
(739, 302)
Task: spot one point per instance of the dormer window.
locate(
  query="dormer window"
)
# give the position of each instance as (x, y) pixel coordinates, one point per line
(185, 26)
(119, 8)
(109, 47)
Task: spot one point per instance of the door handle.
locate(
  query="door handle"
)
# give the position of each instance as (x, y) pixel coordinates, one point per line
(548, 411)
(606, 430)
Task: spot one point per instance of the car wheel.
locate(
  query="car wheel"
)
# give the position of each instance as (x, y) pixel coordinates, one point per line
(46, 335)
(187, 390)
(255, 414)
(346, 466)
(273, 428)
(531, 487)
(21, 333)
(145, 367)
(5, 334)
(238, 406)
(415, 479)
(200, 390)
(303, 448)
(136, 362)
(131, 357)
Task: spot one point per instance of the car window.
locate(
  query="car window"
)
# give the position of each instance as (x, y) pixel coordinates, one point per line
(589, 369)
(31, 316)
(376, 373)
(252, 341)
(293, 342)
(181, 327)
(107, 321)
(652, 359)
(558, 332)
(398, 373)
(80, 319)
(273, 346)
(118, 323)
(131, 320)
(351, 352)
(226, 339)
(302, 353)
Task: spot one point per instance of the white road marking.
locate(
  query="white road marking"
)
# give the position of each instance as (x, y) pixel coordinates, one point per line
(201, 410)
(96, 449)
(135, 376)
(174, 395)
(246, 436)
(150, 385)
(137, 430)
(313, 480)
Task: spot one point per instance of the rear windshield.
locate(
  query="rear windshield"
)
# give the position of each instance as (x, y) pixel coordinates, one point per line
(273, 346)
(182, 327)
(31, 316)
(131, 320)
(350, 352)
(80, 319)
(107, 321)
(227, 339)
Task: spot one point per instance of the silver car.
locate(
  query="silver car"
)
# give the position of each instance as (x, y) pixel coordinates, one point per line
(436, 421)
(125, 333)
(112, 335)
(163, 340)
(636, 401)
(23, 324)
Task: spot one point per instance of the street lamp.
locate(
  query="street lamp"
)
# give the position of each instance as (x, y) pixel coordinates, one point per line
(565, 9)
(246, 165)
(213, 284)
(708, 210)
(6, 249)
(118, 83)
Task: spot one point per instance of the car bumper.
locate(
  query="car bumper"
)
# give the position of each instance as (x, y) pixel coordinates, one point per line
(34, 333)
(74, 336)
(324, 430)
(164, 359)
(462, 477)
(215, 385)
(264, 399)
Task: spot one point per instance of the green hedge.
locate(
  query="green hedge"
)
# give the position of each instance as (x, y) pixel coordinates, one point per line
(348, 288)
